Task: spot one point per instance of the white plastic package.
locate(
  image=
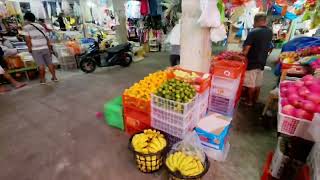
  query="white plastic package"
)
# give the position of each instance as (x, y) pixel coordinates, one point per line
(210, 16)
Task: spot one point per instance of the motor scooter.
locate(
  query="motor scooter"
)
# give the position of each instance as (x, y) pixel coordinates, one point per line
(118, 55)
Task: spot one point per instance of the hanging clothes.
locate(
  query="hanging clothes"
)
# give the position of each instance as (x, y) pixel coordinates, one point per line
(3, 10)
(48, 9)
(76, 9)
(10, 8)
(153, 6)
(38, 10)
(144, 9)
(58, 8)
(133, 9)
(66, 7)
(159, 8)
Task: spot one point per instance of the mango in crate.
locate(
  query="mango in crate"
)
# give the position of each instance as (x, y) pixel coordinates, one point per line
(150, 141)
(187, 165)
(144, 88)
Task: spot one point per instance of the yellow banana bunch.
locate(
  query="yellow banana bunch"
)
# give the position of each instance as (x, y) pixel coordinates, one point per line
(187, 165)
(150, 141)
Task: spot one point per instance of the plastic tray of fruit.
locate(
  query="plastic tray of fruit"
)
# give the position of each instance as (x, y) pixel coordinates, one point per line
(293, 65)
(293, 126)
(139, 94)
(294, 117)
(172, 106)
(200, 81)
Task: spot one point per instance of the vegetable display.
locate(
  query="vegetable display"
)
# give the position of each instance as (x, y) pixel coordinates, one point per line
(301, 98)
(187, 165)
(150, 141)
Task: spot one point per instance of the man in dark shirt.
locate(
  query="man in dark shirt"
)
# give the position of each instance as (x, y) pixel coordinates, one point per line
(256, 47)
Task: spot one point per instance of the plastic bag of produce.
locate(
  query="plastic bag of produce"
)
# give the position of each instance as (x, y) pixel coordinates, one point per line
(187, 157)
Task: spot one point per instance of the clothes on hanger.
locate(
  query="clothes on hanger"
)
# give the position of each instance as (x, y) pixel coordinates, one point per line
(153, 6)
(144, 9)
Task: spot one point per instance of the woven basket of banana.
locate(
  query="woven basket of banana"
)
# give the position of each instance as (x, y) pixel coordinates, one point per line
(149, 148)
(186, 167)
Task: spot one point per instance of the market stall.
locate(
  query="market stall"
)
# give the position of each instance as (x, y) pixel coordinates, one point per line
(187, 109)
(298, 113)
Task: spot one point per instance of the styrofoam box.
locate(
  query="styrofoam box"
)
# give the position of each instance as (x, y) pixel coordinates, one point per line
(218, 155)
(225, 87)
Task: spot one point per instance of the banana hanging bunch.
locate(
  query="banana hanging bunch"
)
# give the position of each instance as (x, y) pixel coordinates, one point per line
(150, 141)
(187, 165)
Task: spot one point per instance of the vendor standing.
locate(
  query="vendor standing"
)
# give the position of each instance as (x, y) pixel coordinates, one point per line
(256, 48)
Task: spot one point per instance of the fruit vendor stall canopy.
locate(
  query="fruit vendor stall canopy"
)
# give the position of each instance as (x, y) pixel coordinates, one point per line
(300, 42)
(290, 10)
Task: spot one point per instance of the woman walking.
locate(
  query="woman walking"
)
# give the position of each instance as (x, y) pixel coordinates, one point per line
(39, 46)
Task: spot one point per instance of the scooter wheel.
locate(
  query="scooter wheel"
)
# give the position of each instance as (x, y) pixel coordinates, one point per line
(88, 65)
(126, 60)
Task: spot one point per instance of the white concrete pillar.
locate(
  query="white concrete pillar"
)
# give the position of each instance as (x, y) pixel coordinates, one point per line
(195, 41)
(120, 12)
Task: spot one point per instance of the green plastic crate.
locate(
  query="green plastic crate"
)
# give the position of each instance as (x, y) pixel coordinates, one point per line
(113, 113)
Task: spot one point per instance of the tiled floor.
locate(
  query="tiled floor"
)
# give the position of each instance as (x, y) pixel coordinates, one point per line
(51, 132)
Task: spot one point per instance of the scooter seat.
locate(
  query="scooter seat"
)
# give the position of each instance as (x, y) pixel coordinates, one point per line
(117, 49)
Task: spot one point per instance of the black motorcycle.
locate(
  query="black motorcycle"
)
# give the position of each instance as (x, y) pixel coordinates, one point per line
(118, 55)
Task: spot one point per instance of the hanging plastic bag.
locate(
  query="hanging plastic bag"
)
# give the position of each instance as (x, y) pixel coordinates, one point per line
(190, 145)
(218, 34)
(187, 160)
(174, 36)
(210, 16)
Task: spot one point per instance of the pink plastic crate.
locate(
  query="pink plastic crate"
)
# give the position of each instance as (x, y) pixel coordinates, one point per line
(173, 117)
(203, 103)
(221, 105)
(174, 130)
(293, 126)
